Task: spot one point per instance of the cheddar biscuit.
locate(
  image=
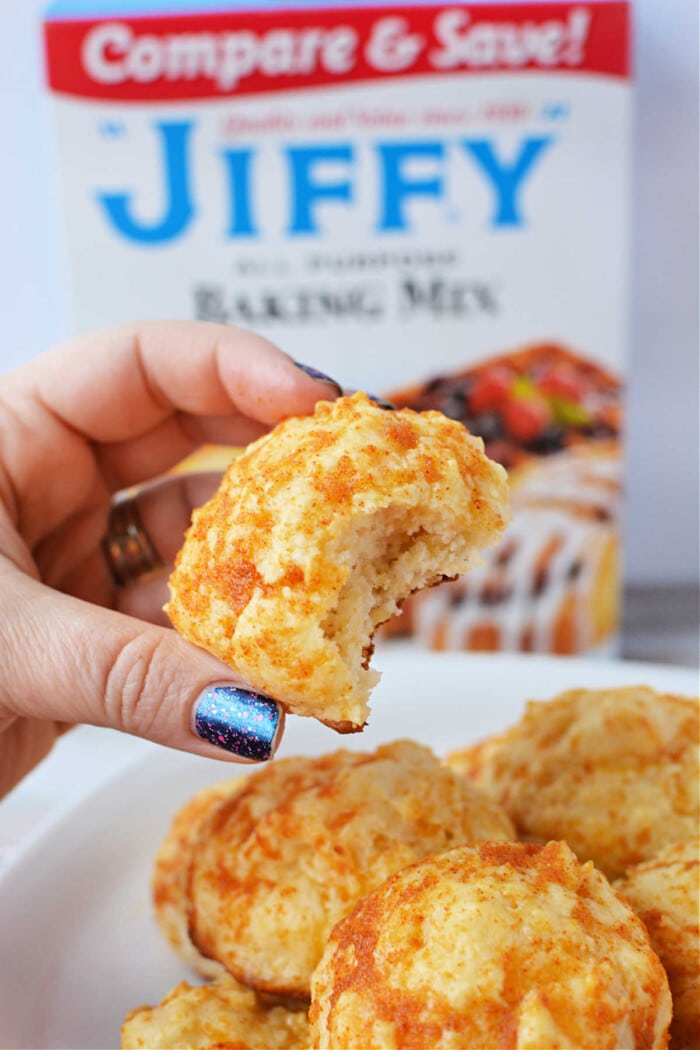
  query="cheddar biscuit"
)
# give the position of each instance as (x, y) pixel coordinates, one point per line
(614, 772)
(197, 820)
(221, 1014)
(169, 882)
(265, 892)
(664, 893)
(491, 945)
(315, 536)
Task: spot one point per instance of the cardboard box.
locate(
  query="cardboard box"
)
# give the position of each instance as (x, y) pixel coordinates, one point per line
(426, 200)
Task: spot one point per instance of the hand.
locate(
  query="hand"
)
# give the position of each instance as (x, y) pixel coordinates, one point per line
(91, 417)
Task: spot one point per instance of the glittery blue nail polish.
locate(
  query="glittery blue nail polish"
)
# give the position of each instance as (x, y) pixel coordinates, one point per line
(381, 402)
(309, 370)
(238, 721)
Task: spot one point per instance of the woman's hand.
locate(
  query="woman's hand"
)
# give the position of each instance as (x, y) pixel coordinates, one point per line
(91, 417)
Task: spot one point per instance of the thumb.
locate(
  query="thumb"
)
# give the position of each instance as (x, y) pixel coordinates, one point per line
(68, 661)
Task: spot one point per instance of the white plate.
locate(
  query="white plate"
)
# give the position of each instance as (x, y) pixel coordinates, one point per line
(78, 947)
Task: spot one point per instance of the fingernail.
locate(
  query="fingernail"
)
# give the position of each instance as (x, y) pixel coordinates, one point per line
(382, 402)
(315, 374)
(242, 722)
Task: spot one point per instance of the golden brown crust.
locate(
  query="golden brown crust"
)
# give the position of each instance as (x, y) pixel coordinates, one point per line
(491, 945)
(279, 864)
(218, 1016)
(316, 534)
(664, 892)
(614, 772)
(171, 873)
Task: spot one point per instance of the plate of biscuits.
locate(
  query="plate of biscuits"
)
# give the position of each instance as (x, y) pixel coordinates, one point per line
(506, 856)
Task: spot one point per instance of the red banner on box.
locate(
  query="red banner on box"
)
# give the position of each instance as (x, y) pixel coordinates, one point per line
(225, 55)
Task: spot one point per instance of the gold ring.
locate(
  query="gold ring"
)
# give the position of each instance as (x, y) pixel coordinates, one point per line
(127, 547)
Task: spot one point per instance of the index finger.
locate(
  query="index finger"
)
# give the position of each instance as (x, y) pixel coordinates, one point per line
(119, 383)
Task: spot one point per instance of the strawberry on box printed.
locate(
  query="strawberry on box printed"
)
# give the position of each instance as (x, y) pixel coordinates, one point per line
(425, 199)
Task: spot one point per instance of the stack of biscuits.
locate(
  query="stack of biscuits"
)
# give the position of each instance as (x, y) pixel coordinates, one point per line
(536, 890)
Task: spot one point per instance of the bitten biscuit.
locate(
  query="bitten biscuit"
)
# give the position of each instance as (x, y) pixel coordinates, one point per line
(665, 892)
(614, 772)
(491, 945)
(280, 863)
(218, 1015)
(317, 533)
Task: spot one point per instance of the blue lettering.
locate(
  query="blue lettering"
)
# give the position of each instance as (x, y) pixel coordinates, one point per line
(178, 210)
(398, 187)
(507, 179)
(406, 171)
(306, 191)
(239, 163)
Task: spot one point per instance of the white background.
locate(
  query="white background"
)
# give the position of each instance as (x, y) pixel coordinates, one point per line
(662, 522)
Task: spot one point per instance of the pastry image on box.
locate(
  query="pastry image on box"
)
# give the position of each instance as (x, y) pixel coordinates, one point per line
(551, 584)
